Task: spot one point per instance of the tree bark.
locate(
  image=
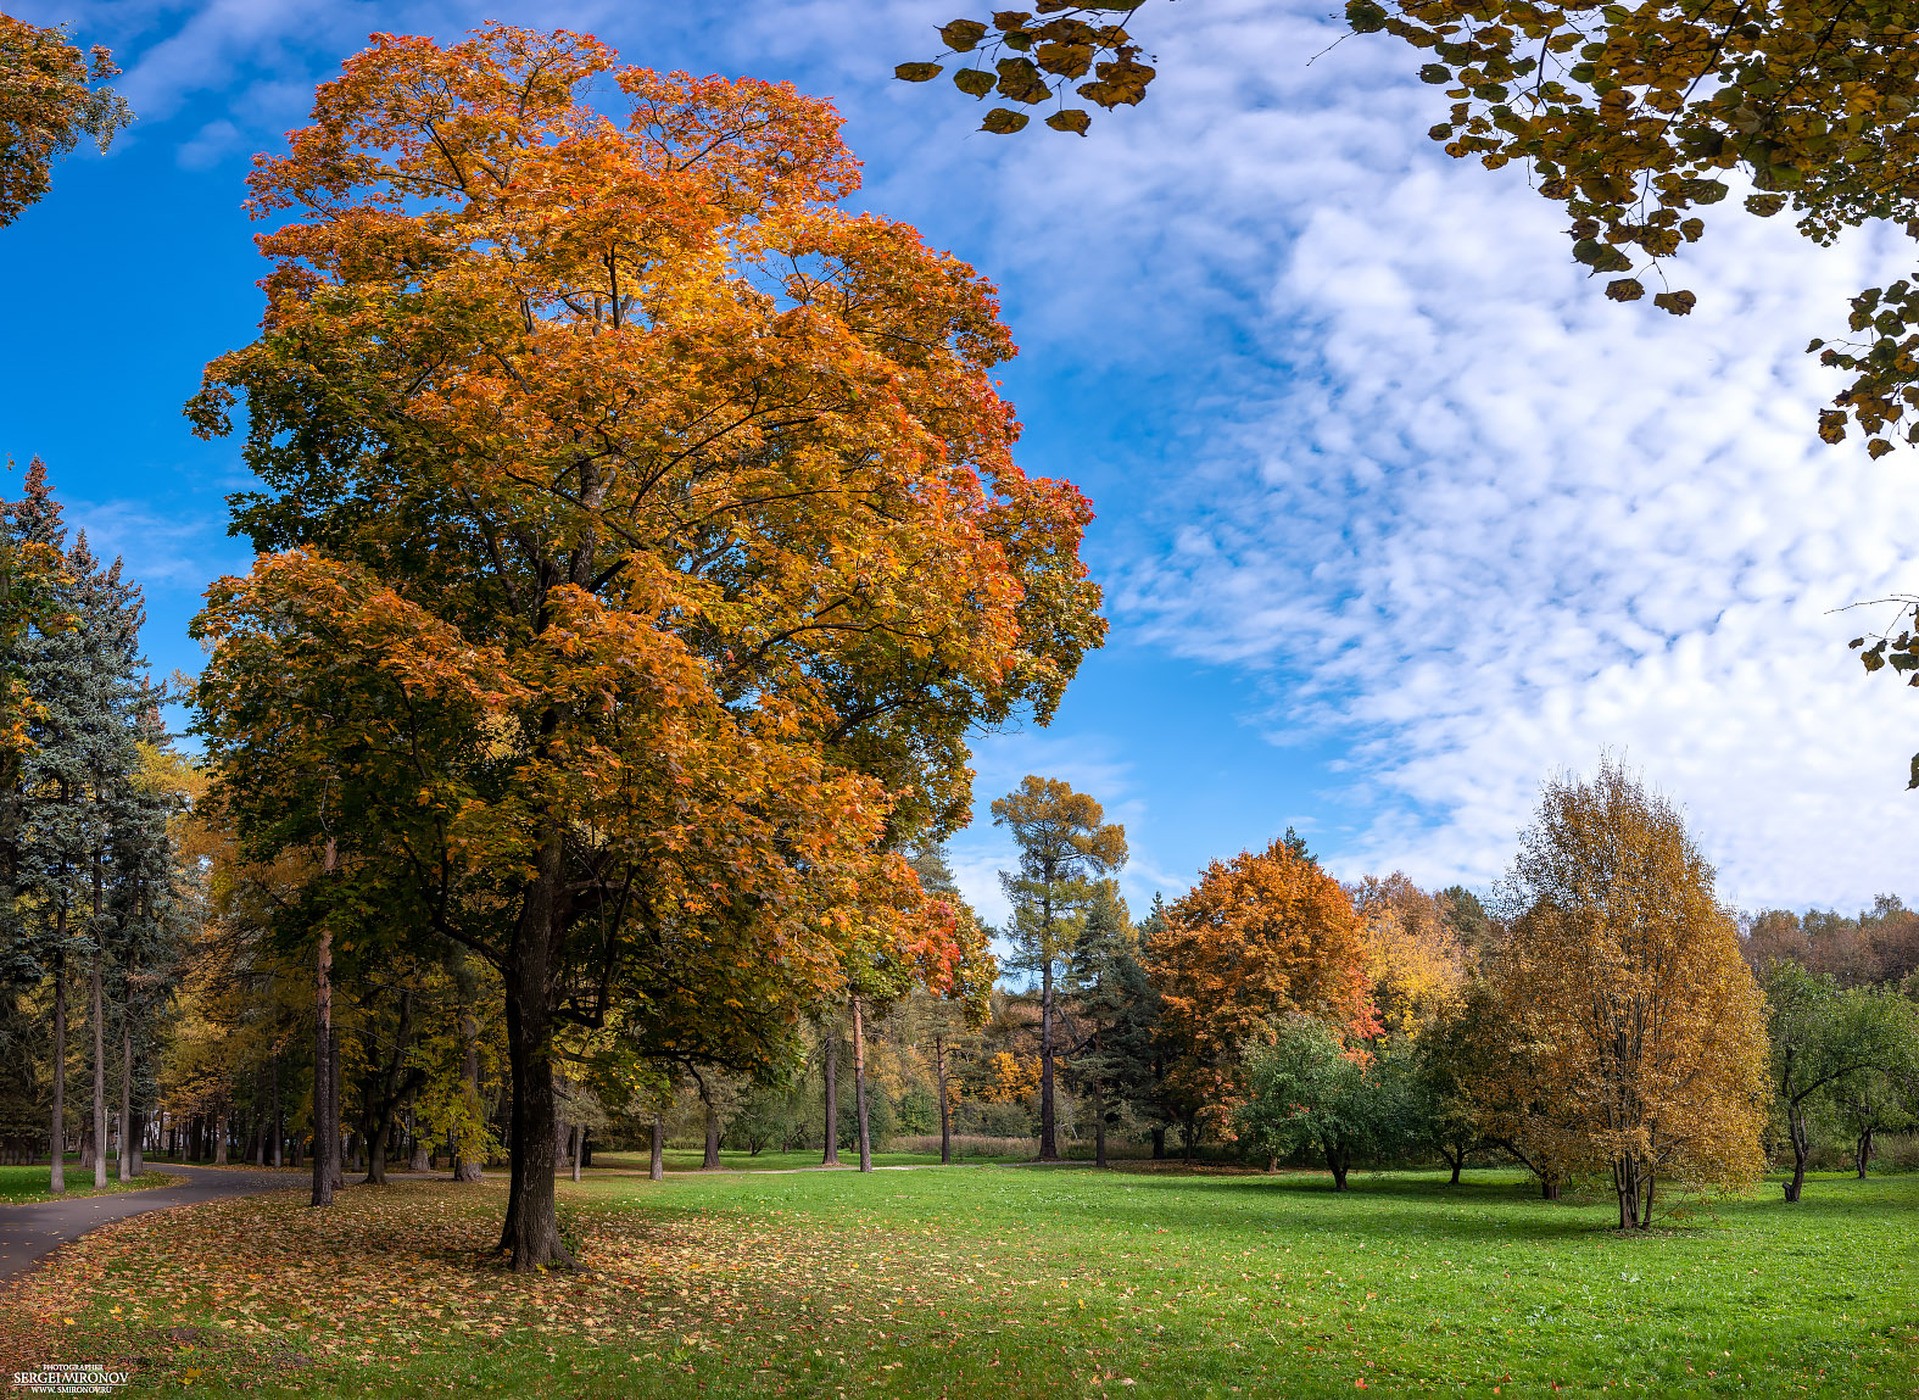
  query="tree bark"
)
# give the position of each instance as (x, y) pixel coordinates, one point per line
(99, 1059)
(222, 1127)
(946, 1107)
(859, 1088)
(656, 1163)
(531, 1233)
(126, 1099)
(1048, 1114)
(1862, 1153)
(57, 1181)
(831, 1068)
(711, 1161)
(325, 1136)
(1338, 1160)
(1549, 1188)
(139, 1141)
(1796, 1131)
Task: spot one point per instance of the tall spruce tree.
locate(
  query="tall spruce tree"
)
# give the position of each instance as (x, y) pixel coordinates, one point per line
(76, 788)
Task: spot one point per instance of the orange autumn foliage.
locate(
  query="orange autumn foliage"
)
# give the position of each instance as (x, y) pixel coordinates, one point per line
(1259, 938)
(1414, 959)
(1634, 1042)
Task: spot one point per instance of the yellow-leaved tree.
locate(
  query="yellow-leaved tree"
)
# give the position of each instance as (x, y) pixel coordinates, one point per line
(1636, 1034)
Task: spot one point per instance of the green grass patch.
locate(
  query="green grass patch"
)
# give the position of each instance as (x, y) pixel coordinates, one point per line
(691, 1159)
(988, 1281)
(24, 1185)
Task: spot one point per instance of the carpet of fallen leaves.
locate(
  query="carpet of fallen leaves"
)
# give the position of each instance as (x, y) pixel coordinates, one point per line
(265, 1292)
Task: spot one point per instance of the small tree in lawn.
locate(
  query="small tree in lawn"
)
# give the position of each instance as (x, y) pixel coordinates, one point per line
(1065, 845)
(1622, 981)
(1308, 1089)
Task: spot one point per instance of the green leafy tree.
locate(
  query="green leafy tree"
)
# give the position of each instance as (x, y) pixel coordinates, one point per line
(1824, 1036)
(1309, 1090)
(1065, 846)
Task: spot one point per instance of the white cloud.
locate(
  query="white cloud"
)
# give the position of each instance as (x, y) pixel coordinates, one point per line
(1408, 464)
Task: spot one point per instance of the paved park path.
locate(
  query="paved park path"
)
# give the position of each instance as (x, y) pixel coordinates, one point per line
(28, 1233)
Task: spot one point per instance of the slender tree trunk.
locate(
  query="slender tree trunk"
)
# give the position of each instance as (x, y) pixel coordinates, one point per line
(465, 1168)
(1796, 1130)
(946, 1107)
(100, 1059)
(859, 1088)
(57, 1181)
(333, 1079)
(1048, 1119)
(325, 1132)
(830, 1066)
(1862, 1154)
(656, 1163)
(279, 1119)
(1099, 1126)
(126, 1100)
(139, 1141)
(531, 1233)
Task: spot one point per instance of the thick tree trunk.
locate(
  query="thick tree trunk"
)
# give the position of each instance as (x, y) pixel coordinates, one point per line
(1549, 1188)
(711, 1161)
(1048, 1112)
(946, 1107)
(1159, 1143)
(859, 1088)
(325, 1137)
(99, 1059)
(531, 1233)
(1862, 1153)
(656, 1158)
(125, 1163)
(830, 1068)
(222, 1127)
(1338, 1160)
(139, 1141)
(57, 1181)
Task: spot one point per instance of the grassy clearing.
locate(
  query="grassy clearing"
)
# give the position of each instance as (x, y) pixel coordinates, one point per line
(691, 1160)
(992, 1281)
(24, 1185)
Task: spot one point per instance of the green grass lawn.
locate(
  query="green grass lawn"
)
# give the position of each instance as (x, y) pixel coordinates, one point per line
(691, 1159)
(21, 1185)
(988, 1281)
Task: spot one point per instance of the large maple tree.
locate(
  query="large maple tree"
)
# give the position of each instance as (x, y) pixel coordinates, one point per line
(641, 540)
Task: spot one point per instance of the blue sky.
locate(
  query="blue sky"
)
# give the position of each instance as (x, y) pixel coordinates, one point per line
(1396, 514)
